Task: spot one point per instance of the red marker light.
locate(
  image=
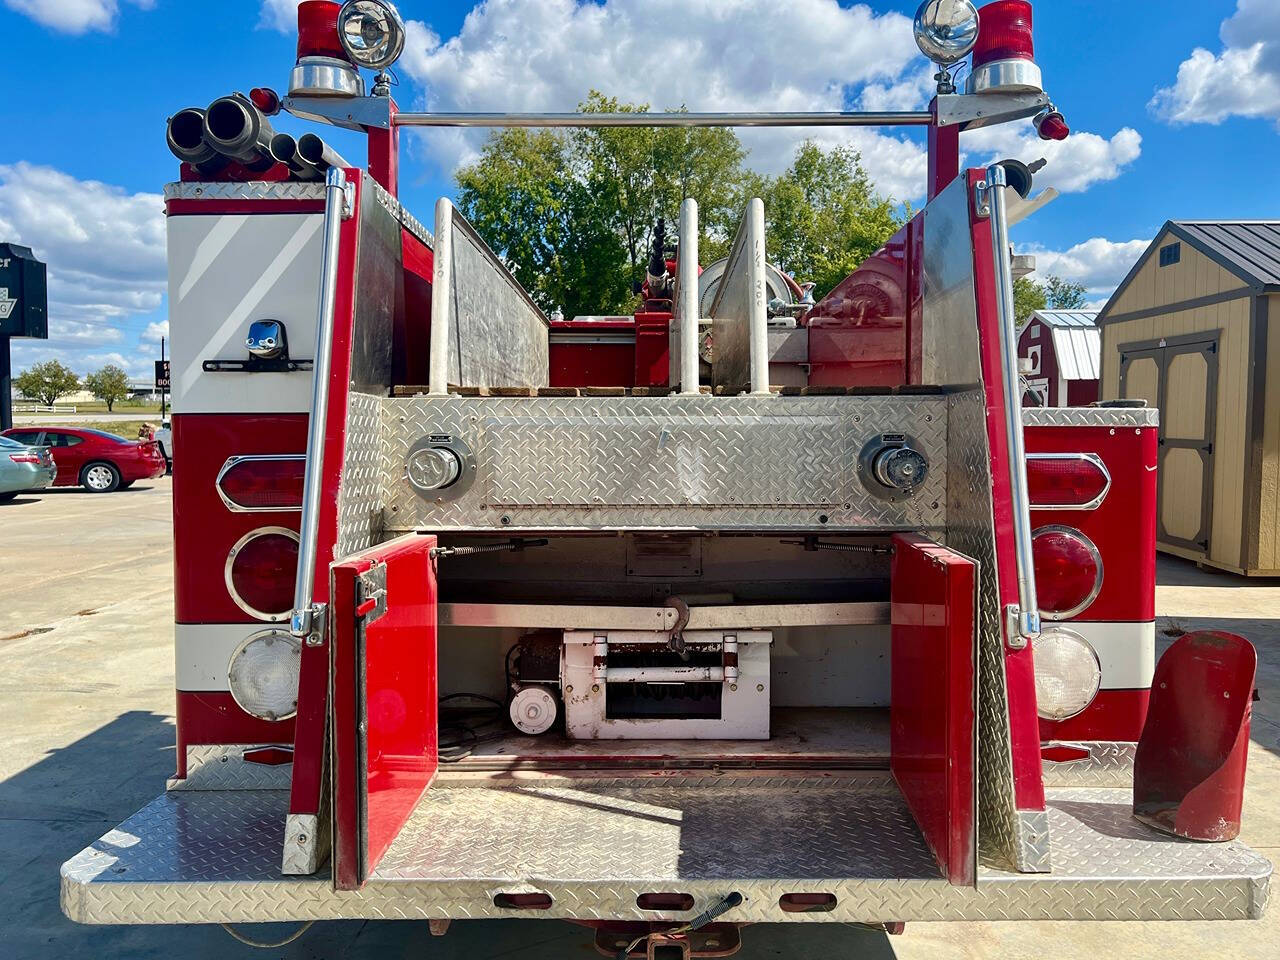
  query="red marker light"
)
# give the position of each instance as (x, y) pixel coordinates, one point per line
(1052, 126)
(266, 100)
(1068, 571)
(1067, 482)
(265, 483)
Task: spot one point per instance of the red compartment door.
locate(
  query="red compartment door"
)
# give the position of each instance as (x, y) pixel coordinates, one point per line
(383, 725)
(932, 711)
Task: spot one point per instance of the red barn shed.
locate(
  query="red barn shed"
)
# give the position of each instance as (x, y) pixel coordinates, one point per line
(1061, 352)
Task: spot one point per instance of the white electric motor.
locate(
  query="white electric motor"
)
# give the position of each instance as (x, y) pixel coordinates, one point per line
(533, 710)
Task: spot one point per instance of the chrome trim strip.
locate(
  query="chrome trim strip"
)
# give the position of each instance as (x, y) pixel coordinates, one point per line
(256, 190)
(234, 507)
(1091, 458)
(239, 601)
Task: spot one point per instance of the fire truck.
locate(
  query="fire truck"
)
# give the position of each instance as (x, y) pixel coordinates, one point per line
(743, 608)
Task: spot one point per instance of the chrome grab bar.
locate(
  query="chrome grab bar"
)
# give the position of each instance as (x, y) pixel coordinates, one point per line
(690, 308)
(991, 190)
(917, 118)
(307, 621)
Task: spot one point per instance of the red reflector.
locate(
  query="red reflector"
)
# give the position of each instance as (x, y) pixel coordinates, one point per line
(1004, 32)
(1068, 571)
(269, 756)
(250, 484)
(1066, 481)
(1062, 753)
(318, 30)
(261, 569)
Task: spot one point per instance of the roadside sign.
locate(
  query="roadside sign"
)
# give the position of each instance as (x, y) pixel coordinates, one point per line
(24, 303)
(162, 374)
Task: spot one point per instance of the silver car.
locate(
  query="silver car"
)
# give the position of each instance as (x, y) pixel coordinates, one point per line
(23, 468)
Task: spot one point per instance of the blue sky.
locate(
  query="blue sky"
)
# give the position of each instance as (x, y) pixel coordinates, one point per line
(1175, 115)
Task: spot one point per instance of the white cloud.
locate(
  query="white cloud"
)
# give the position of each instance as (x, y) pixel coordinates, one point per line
(1242, 80)
(1075, 164)
(105, 249)
(279, 15)
(74, 16)
(155, 331)
(1098, 264)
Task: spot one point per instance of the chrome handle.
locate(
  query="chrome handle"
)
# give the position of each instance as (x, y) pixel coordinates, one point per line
(1028, 613)
(307, 621)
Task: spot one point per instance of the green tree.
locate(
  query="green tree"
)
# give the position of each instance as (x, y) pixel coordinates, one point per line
(108, 384)
(1064, 294)
(47, 382)
(1028, 297)
(824, 216)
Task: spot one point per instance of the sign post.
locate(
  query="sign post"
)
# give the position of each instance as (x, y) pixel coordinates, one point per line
(162, 378)
(24, 312)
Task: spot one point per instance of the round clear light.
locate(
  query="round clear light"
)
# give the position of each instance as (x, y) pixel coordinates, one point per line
(1068, 674)
(946, 30)
(372, 32)
(263, 675)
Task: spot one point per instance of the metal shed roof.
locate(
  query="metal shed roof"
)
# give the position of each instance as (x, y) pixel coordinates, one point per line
(1250, 248)
(1077, 344)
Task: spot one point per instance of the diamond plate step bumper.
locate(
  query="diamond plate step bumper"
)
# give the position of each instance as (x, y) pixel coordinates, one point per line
(595, 845)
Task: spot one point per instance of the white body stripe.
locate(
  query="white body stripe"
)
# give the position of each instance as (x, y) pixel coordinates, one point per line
(1127, 651)
(225, 271)
(203, 651)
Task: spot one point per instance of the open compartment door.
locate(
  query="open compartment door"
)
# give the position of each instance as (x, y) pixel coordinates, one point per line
(932, 708)
(383, 720)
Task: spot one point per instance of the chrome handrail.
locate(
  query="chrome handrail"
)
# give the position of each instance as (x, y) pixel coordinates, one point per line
(307, 620)
(690, 307)
(1028, 613)
(918, 118)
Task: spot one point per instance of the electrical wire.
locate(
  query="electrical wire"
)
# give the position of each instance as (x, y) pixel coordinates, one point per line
(701, 920)
(469, 727)
(262, 944)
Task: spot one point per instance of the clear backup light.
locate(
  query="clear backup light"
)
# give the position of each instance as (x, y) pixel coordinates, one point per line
(1068, 673)
(1068, 571)
(371, 32)
(263, 675)
(1004, 56)
(1066, 481)
(260, 572)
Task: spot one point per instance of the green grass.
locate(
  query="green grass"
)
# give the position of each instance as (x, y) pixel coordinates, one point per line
(141, 407)
(121, 428)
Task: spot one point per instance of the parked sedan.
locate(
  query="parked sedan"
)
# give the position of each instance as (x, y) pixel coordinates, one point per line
(23, 468)
(100, 462)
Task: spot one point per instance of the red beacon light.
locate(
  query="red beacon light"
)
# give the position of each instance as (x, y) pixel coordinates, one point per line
(1004, 56)
(323, 68)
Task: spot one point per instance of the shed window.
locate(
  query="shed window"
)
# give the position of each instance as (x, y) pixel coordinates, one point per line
(1170, 254)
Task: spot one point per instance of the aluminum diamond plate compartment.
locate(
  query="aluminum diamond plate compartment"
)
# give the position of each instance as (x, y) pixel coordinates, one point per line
(698, 462)
(594, 845)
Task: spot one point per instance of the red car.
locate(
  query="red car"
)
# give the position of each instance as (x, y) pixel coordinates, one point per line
(100, 462)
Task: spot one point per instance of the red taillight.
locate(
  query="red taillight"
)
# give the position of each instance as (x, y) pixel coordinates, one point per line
(24, 458)
(261, 484)
(1066, 481)
(261, 569)
(1004, 32)
(1068, 571)
(318, 30)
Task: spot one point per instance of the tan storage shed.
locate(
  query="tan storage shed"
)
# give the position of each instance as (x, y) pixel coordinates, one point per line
(1188, 331)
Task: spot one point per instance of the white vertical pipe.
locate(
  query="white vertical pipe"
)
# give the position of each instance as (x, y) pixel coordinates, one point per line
(690, 308)
(442, 300)
(758, 306)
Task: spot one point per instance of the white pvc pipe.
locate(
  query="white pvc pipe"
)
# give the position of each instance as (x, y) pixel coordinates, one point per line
(758, 305)
(690, 307)
(441, 300)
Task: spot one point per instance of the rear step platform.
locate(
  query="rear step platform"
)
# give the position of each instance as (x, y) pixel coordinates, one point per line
(840, 848)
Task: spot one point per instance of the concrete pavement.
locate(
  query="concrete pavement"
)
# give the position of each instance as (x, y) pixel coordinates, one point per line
(86, 704)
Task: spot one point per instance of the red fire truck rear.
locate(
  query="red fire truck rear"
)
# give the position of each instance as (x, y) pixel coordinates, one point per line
(740, 609)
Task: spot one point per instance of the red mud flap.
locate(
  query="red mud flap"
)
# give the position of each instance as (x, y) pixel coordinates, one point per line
(1188, 774)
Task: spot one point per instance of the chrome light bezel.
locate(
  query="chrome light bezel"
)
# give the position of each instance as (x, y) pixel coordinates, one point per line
(394, 40)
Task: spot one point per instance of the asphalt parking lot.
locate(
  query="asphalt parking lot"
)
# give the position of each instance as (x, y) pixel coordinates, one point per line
(86, 738)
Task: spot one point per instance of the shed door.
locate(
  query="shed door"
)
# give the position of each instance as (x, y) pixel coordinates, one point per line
(1181, 379)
